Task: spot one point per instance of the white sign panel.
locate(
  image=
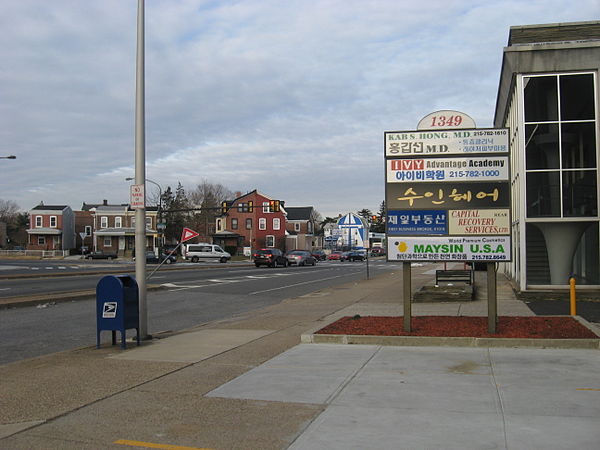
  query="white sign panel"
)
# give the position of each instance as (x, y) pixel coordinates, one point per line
(479, 221)
(447, 142)
(137, 198)
(441, 248)
(447, 169)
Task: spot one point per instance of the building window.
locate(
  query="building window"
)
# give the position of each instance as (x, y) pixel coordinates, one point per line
(103, 222)
(118, 222)
(38, 222)
(560, 145)
(219, 225)
(41, 240)
(296, 227)
(248, 224)
(270, 241)
(148, 222)
(266, 207)
(276, 224)
(53, 222)
(107, 241)
(234, 224)
(133, 222)
(262, 223)
(88, 230)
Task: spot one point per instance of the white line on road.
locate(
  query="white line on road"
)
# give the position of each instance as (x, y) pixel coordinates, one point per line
(298, 284)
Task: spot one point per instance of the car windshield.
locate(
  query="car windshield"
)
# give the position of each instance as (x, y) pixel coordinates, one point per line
(297, 252)
(264, 252)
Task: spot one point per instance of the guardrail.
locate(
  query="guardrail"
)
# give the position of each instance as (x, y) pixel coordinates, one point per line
(37, 253)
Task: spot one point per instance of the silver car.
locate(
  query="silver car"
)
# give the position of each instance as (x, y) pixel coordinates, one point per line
(301, 258)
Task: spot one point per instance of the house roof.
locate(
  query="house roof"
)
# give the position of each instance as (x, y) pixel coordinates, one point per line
(299, 212)
(42, 207)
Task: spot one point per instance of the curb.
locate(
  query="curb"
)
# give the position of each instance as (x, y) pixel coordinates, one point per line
(418, 341)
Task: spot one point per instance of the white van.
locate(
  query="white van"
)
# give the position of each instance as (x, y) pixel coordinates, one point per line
(204, 252)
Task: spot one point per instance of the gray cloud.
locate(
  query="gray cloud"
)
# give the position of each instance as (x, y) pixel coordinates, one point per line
(291, 98)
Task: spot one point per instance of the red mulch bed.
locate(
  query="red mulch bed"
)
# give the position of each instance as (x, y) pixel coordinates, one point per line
(451, 326)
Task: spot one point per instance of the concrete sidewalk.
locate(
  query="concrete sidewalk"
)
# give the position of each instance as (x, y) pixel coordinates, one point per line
(248, 383)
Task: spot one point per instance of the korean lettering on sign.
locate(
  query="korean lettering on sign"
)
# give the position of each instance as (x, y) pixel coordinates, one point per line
(434, 196)
(406, 222)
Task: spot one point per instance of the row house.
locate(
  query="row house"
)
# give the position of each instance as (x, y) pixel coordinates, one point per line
(113, 228)
(251, 220)
(51, 227)
(302, 226)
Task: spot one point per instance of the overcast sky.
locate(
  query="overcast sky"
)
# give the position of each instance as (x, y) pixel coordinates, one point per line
(288, 97)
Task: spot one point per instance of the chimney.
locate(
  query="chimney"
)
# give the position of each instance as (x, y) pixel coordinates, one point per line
(238, 194)
(105, 202)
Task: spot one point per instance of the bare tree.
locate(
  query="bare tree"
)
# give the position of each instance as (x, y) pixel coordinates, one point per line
(8, 210)
(209, 195)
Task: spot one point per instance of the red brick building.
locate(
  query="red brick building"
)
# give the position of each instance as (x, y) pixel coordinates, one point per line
(249, 221)
(51, 227)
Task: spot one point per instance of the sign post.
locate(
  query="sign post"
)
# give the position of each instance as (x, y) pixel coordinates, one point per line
(448, 197)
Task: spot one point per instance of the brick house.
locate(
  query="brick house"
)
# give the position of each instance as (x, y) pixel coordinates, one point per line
(51, 227)
(113, 228)
(248, 221)
(302, 226)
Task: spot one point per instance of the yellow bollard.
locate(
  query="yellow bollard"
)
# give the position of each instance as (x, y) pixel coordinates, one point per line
(572, 296)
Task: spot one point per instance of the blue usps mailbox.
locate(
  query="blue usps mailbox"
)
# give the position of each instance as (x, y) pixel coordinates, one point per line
(117, 307)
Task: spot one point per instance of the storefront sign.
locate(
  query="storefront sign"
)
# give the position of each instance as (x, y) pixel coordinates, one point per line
(407, 222)
(447, 169)
(458, 248)
(479, 221)
(448, 195)
(447, 142)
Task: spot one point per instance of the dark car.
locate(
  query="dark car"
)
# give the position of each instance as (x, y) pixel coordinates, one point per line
(319, 255)
(151, 258)
(171, 249)
(270, 257)
(377, 251)
(101, 255)
(301, 258)
(356, 255)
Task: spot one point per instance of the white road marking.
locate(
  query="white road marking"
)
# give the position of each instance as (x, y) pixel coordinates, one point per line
(296, 284)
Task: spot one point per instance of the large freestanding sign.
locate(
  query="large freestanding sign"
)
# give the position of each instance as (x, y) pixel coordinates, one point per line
(448, 194)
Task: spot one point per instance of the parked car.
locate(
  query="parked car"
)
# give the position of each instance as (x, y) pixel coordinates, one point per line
(319, 255)
(171, 249)
(377, 251)
(204, 252)
(301, 258)
(151, 258)
(270, 257)
(357, 255)
(344, 256)
(335, 256)
(101, 255)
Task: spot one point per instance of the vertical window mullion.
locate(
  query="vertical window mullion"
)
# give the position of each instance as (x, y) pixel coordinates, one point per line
(560, 150)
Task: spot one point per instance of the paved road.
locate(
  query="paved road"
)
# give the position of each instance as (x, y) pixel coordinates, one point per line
(187, 298)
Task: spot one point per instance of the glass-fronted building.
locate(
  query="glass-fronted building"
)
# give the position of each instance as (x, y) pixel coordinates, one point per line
(548, 98)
